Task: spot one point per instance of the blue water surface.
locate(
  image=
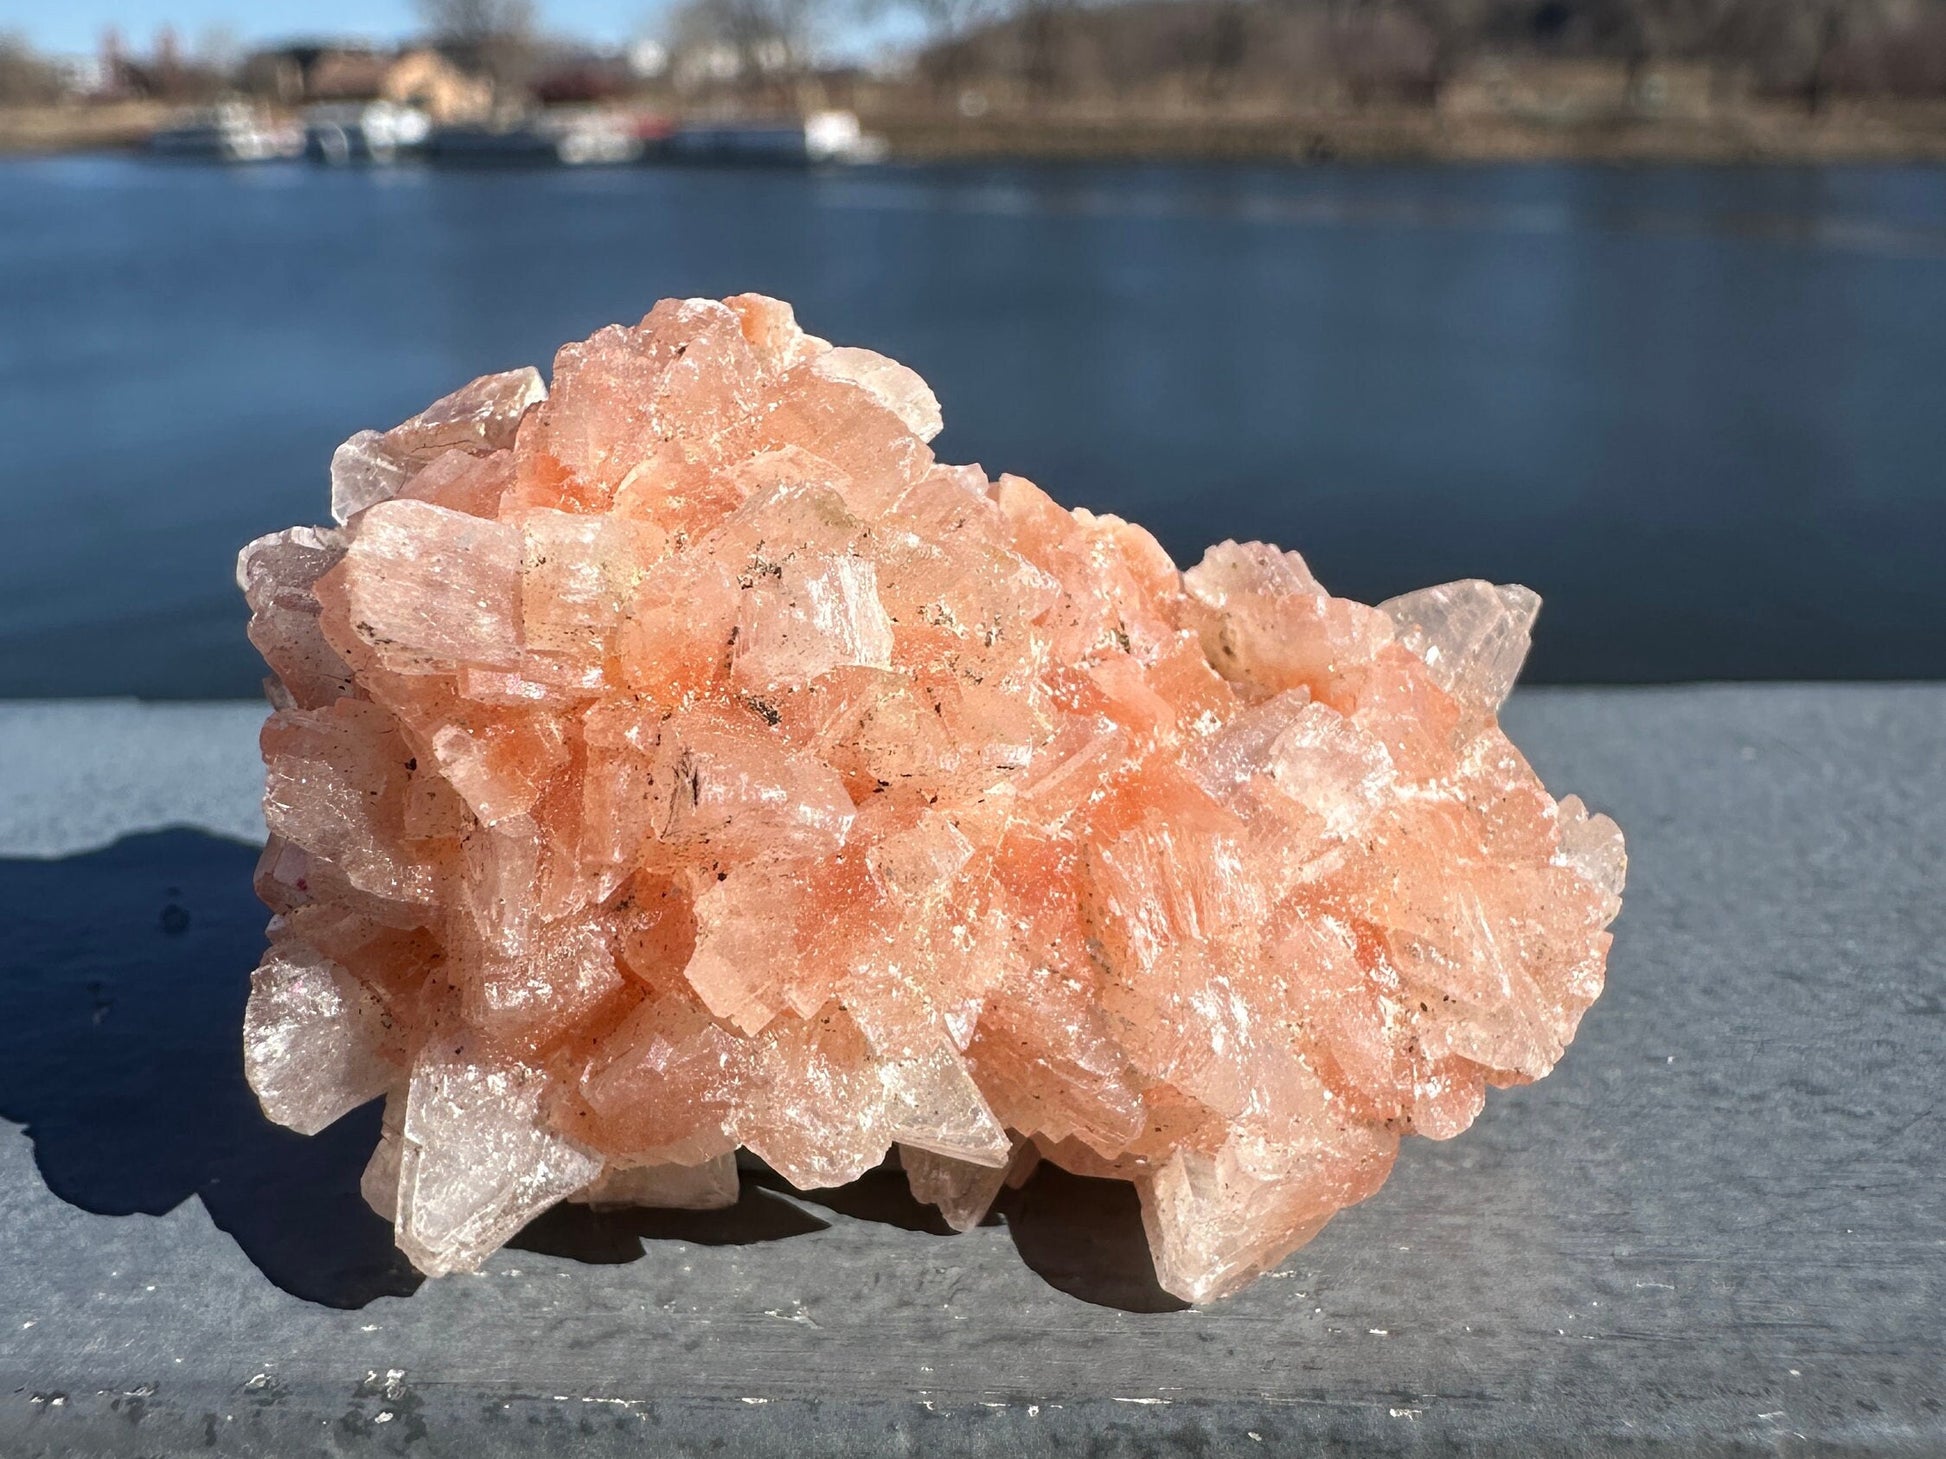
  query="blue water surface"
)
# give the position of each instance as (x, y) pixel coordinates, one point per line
(1702, 411)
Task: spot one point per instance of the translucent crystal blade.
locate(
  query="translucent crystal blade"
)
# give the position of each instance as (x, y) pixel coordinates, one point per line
(477, 1162)
(309, 1046)
(1473, 636)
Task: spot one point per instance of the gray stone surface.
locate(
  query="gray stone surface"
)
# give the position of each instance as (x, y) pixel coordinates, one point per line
(1719, 1228)
(76, 774)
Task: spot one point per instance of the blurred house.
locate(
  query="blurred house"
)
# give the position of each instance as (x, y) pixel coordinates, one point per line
(421, 77)
(428, 80)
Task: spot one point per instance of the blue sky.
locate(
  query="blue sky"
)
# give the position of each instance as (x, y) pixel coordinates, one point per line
(76, 25)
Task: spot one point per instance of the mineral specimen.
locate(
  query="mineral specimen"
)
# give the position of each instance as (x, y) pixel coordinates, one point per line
(686, 761)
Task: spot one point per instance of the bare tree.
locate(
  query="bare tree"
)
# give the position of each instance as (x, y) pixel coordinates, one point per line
(949, 20)
(697, 39)
(1044, 27)
(470, 22)
(771, 41)
(25, 79)
(777, 35)
(1452, 30)
(1225, 46)
(1389, 52)
(1832, 24)
(496, 37)
(1796, 49)
(947, 23)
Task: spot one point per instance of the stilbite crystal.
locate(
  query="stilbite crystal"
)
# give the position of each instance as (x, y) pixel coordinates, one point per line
(686, 761)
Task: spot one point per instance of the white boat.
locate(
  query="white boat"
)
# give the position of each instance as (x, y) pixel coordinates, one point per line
(229, 132)
(593, 138)
(367, 131)
(835, 136)
(821, 138)
(553, 139)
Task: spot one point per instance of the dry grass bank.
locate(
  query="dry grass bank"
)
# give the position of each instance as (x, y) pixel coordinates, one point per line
(79, 128)
(1851, 132)
(1883, 132)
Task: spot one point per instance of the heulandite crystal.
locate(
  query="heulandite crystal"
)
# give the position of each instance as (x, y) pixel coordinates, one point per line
(686, 760)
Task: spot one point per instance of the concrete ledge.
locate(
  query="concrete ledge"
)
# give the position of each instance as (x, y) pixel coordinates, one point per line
(1719, 1228)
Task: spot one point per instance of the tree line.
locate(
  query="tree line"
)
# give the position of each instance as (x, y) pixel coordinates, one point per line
(970, 54)
(1352, 51)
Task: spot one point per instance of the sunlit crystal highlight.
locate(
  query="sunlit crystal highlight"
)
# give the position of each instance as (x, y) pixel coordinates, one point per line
(685, 761)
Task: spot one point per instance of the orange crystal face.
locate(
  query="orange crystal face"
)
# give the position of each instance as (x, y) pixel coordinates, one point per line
(685, 760)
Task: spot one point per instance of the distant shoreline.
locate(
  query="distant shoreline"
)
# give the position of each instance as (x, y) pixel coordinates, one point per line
(1750, 134)
(1754, 135)
(53, 129)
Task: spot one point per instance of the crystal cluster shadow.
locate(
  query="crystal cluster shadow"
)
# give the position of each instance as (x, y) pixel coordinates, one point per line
(122, 984)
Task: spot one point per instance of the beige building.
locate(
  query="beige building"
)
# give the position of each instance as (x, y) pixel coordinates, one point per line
(427, 80)
(421, 77)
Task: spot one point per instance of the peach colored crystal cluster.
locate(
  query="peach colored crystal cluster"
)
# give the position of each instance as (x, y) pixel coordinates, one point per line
(686, 761)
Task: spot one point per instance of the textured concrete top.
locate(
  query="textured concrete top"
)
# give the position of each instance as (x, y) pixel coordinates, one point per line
(1718, 1228)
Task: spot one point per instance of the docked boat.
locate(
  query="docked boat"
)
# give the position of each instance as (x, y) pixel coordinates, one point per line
(552, 139)
(229, 132)
(364, 132)
(818, 139)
